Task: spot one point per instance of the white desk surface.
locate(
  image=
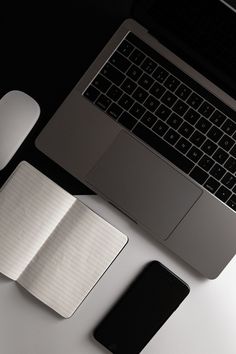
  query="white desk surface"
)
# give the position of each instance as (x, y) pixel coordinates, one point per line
(205, 323)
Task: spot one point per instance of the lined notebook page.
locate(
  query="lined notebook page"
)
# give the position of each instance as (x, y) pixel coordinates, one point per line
(72, 260)
(31, 206)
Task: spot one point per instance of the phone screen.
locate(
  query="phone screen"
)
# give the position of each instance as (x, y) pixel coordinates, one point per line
(145, 306)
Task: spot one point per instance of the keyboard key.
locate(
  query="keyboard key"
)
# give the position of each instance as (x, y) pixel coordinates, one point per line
(157, 90)
(197, 138)
(186, 129)
(145, 81)
(209, 147)
(220, 156)
(151, 103)
(134, 72)
(203, 125)
(206, 163)
(217, 171)
(183, 145)
(231, 164)
(180, 107)
(199, 175)
(212, 184)
(183, 92)
(232, 202)
(120, 62)
(140, 94)
(127, 120)
(174, 121)
(160, 74)
(192, 116)
(168, 99)
(226, 142)
(114, 110)
(214, 134)
(171, 136)
(160, 128)
(125, 48)
(91, 93)
(114, 75)
(163, 112)
(148, 119)
(101, 83)
(163, 148)
(148, 65)
(137, 57)
(172, 83)
(218, 118)
(137, 110)
(229, 127)
(129, 86)
(194, 100)
(228, 180)
(233, 151)
(223, 194)
(103, 102)
(206, 109)
(194, 154)
(125, 101)
(114, 93)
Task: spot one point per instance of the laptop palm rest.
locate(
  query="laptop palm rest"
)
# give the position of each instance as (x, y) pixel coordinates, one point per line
(143, 185)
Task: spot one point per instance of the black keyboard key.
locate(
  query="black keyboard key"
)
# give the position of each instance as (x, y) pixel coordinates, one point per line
(174, 121)
(199, 175)
(209, 147)
(157, 90)
(228, 180)
(183, 145)
(186, 129)
(101, 83)
(217, 171)
(125, 48)
(151, 103)
(160, 74)
(206, 163)
(223, 194)
(220, 156)
(192, 116)
(218, 118)
(137, 110)
(206, 109)
(125, 101)
(226, 142)
(120, 62)
(148, 65)
(229, 127)
(171, 83)
(103, 102)
(168, 99)
(134, 72)
(91, 93)
(232, 202)
(137, 57)
(113, 74)
(203, 125)
(194, 100)
(180, 107)
(145, 81)
(163, 148)
(214, 134)
(233, 151)
(171, 136)
(149, 119)
(140, 94)
(160, 127)
(197, 138)
(114, 93)
(114, 111)
(129, 86)
(183, 92)
(127, 120)
(194, 154)
(212, 184)
(163, 112)
(231, 164)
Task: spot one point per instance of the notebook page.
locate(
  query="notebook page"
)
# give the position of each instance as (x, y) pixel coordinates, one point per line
(31, 206)
(72, 260)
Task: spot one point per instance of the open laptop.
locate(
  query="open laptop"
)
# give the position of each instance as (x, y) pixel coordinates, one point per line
(151, 127)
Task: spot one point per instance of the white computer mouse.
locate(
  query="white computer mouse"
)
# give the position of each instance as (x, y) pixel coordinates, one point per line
(18, 114)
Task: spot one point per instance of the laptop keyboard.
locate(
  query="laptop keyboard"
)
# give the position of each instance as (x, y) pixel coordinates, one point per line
(170, 112)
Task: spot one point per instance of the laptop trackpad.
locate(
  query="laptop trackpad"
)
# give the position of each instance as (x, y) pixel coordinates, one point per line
(143, 185)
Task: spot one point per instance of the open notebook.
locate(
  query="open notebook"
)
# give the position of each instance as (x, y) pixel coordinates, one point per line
(51, 243)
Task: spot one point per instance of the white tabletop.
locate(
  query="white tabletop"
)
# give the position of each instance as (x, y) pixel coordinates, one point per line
(205, 323)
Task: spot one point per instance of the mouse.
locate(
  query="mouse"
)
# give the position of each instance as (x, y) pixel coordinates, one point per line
(18, 114)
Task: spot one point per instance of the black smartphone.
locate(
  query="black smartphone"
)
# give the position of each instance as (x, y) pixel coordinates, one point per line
(141, 311)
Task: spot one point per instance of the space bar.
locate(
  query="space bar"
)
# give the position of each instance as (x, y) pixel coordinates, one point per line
(163, 148)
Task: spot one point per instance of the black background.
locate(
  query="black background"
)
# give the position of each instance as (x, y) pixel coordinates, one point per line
(45, 49)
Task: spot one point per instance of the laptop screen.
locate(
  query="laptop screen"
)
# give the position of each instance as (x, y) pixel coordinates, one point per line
(201, 32)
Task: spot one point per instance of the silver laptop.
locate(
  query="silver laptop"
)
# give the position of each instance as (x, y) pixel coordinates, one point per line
(154, 136)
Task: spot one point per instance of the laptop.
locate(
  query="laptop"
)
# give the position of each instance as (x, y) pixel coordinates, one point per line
(151, 127)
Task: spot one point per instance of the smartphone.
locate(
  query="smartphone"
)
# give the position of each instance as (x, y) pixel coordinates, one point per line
(141, 311)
